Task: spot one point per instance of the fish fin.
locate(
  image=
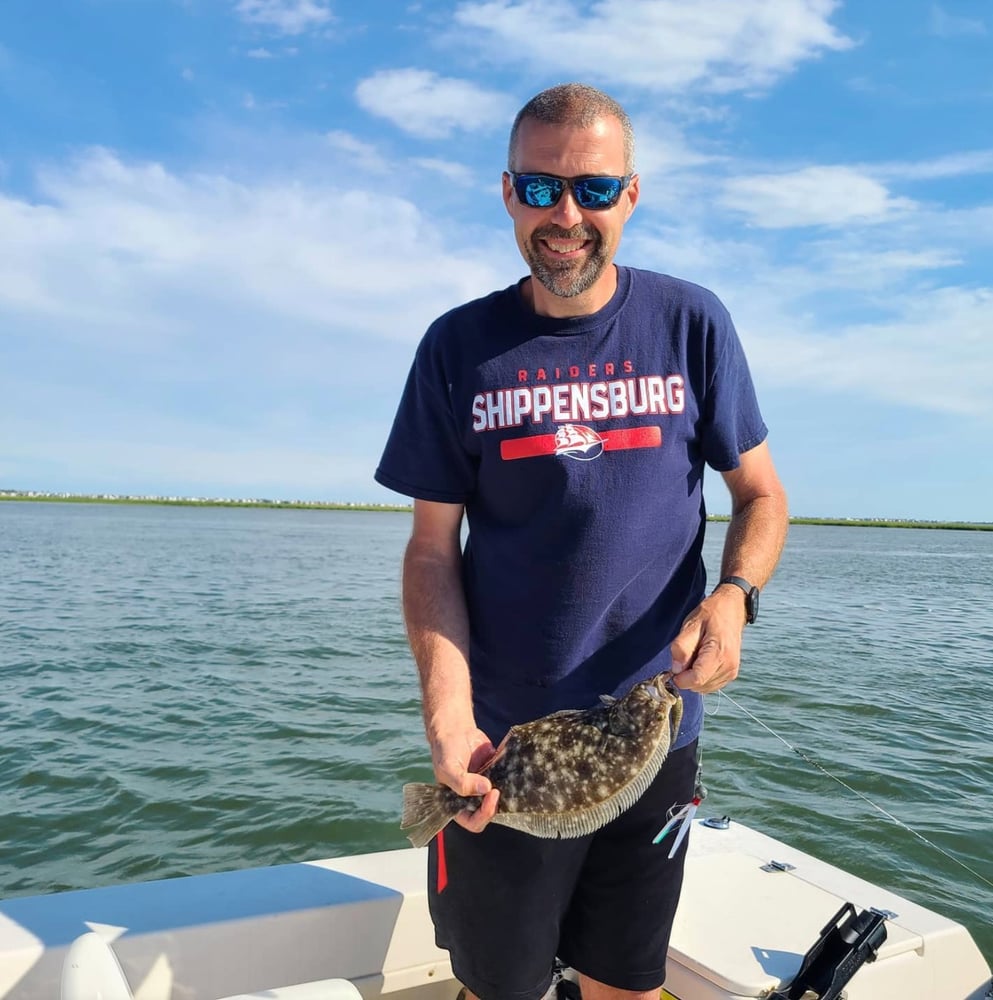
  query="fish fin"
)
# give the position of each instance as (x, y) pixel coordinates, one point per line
(425, 812)
(571, 824)
(562, 825)
(607, 699)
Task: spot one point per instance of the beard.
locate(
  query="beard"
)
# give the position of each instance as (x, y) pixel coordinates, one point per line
(567, 278)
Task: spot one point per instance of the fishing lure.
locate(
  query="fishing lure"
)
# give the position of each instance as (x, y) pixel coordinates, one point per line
(682, 818)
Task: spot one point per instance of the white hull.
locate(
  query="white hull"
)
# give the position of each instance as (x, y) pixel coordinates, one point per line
(741, 932)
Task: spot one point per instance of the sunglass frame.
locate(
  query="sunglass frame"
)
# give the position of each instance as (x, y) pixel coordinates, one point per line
(579, 186)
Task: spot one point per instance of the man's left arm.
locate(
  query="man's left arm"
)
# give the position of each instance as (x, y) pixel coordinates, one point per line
(707, 652)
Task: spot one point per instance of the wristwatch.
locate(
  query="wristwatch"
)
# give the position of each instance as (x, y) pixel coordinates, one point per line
(751, 596)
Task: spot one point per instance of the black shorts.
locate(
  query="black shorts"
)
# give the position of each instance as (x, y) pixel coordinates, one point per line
(510, 903)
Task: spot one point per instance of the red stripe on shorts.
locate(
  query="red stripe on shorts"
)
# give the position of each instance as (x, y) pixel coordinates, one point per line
(442, 865)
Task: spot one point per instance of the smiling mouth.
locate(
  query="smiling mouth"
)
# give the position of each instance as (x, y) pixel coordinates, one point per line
(564, 247)
(563, 242)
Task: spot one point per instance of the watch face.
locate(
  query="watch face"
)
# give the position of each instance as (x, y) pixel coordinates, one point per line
(752, 605)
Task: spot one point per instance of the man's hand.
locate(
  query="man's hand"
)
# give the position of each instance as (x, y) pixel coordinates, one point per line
(707, 652)
(457, 759)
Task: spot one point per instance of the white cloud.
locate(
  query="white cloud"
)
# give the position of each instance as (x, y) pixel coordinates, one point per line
(662, 150)
(962, 226)
(812, 196)
(859, 268)
(931, 353)
(363, 155)
(979, 161)
(250, 103)
(288, 17)
(662, 45)
(425, 104)
(456, 172)
(181, 315)
(260, 53)
(946, 25)
(883, 315)
(119, 247)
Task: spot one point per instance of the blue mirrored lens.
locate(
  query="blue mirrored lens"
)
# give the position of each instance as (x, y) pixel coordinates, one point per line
(597, 192)
(538, 190)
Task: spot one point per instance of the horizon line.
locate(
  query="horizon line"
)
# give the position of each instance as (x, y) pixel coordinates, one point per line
(148, 498)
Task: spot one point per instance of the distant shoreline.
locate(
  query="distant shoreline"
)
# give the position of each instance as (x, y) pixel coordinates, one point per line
(195, 501)
(845, 522)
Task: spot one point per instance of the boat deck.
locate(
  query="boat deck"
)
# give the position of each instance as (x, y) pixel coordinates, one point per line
(742, 930)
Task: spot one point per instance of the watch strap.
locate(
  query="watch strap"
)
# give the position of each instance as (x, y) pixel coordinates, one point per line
(751, 595)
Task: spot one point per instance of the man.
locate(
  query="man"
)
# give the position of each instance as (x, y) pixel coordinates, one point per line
(570, 417)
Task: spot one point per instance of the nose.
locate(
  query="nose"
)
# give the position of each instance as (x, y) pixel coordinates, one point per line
(566, 213)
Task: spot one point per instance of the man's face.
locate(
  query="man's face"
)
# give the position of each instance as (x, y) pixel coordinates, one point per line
(570, 249)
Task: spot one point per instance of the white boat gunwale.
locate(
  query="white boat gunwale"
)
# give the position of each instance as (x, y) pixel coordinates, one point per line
(740, 932)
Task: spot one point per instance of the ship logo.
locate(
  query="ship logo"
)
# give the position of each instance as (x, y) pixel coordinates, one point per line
(578, 442)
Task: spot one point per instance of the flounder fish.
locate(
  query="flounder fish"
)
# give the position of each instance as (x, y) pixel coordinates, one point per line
(566, 774)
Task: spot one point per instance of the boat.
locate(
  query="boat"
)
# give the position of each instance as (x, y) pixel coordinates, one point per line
(757, 918)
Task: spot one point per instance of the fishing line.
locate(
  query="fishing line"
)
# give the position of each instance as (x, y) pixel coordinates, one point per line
(865, 798)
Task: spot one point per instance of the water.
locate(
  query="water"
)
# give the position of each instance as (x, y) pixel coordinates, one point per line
(185, 690)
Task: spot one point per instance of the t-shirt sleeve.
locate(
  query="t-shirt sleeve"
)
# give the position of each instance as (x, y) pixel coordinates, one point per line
(425, 457)
(732, 423)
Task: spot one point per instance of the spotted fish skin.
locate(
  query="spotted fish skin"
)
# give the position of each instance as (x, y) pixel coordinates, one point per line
(566, 774)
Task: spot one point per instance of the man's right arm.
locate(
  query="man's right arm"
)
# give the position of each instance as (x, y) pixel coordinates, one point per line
(437, 623)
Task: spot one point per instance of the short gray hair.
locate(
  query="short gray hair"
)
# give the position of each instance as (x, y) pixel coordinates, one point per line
(577, 105)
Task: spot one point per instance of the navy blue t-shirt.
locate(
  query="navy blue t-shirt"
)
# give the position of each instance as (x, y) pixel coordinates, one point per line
(578, 448)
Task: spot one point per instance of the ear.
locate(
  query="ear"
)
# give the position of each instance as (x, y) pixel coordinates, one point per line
(508, 193)
(633, 192)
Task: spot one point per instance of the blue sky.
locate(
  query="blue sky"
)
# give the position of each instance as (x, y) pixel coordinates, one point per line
(224, 225)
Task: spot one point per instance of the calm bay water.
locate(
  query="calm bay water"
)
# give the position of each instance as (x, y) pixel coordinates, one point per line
(185, 690)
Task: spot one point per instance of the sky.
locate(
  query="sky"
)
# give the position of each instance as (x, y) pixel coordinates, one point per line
(225, 225)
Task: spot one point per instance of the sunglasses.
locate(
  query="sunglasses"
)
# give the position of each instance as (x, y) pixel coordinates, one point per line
(591, 192)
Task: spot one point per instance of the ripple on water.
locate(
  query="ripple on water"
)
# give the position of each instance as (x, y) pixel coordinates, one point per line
(191, 690)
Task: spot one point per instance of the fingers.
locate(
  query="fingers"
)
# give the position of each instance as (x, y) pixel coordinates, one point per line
(713, 665)
(456, 766)
(460, 780)
(684, 646)
(470, 785)
(711, 668)
(688, 681)
(475, 784)
(475, 820)
(457, 770)
(707, 651)
(456, 761)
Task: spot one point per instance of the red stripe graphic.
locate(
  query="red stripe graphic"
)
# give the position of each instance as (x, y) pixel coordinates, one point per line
(442, 864)
(544, 444)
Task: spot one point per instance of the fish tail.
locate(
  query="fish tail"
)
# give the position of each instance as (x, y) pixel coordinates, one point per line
(426, 810)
